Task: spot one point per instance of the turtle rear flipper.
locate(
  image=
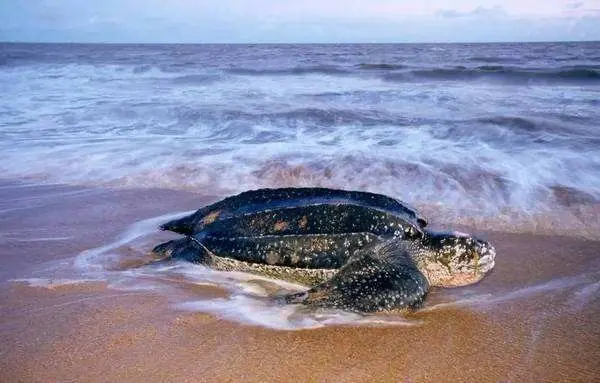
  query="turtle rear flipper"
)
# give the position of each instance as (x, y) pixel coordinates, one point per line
(383, 277)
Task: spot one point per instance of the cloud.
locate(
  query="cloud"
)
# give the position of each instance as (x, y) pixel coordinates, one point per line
(300, 21)
(575, 5)
(479, 12)
(449, 13)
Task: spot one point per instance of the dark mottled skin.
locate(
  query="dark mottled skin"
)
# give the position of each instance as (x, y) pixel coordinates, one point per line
(267, 199)
(356, 251)
(383, 278)
(312, 251)
(190, 250)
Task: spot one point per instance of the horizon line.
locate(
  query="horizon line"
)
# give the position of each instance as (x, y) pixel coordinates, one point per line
(294, 43)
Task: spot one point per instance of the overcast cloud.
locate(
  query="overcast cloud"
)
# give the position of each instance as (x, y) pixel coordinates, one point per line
(239, 21)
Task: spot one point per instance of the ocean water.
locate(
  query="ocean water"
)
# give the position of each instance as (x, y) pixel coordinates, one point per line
(502, 136)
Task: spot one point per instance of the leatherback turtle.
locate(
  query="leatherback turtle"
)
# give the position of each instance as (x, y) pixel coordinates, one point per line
(355, 250)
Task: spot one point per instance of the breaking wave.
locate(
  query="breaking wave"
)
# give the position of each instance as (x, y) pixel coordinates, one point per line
(380, 66)
(468, 149)
(500, 73)
(301, 70)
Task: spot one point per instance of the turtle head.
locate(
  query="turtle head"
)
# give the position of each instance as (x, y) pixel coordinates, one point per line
(454, 259)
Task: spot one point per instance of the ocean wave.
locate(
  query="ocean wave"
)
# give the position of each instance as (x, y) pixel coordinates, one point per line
(294, 71)
(380, 66)
(494, 59)
(319, 118)
(481, 195)
(330, 117)
(583, 67)
(471, 147)
(196, 79)
(522, 123)
(18, 56)
(500, 73)
(141, 69)
(560, 133)
(402, 73)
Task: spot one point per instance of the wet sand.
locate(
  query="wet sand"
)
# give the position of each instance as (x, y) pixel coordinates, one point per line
(539, 323)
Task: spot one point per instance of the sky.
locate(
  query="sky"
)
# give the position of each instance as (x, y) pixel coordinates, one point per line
(298, 21)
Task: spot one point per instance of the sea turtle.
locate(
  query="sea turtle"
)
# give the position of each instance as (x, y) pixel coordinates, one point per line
(356, 251)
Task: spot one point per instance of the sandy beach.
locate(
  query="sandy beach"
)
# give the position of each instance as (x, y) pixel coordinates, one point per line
(535, 318)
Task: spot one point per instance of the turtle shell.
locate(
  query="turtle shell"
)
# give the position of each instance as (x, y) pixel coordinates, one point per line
(256, 201)
(304, 233)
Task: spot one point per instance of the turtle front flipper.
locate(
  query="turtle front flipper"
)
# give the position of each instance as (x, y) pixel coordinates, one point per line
(382, 277)
(185, 248)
